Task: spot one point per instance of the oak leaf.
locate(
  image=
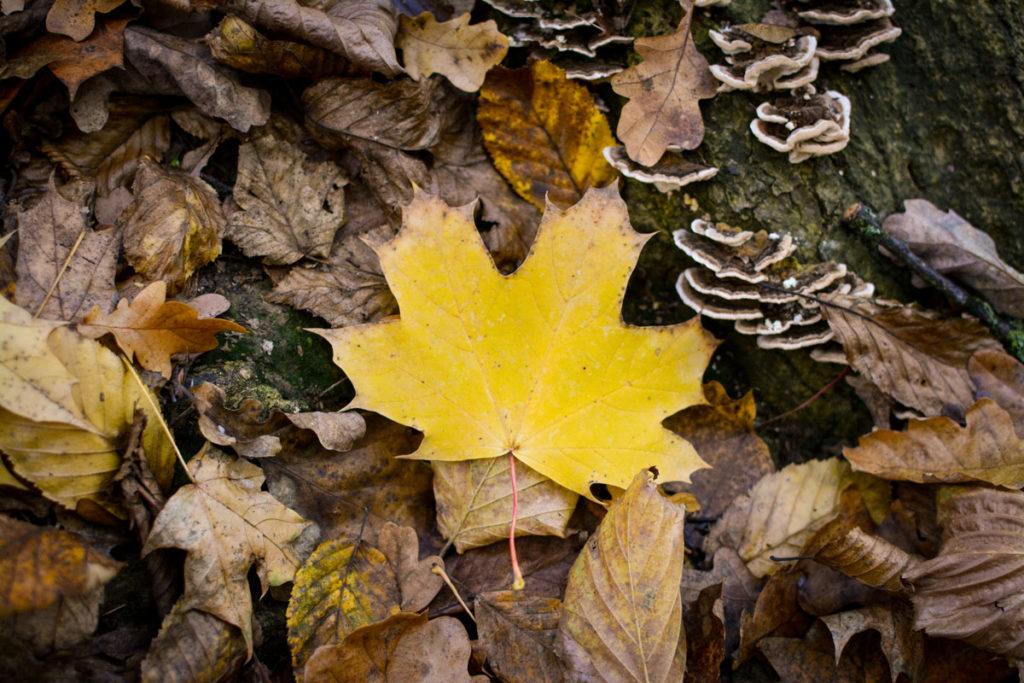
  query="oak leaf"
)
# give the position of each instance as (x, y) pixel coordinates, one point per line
(76, 18)
(544, 133)
(663, 112)
(939, 450)
(416, 579)
(538, 363)
(227, 524)
(622, 613)
(461, 52)
(152, 329)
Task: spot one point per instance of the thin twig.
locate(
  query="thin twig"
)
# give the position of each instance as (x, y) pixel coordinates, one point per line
(60, 274)
(159, 418)
(808, 402)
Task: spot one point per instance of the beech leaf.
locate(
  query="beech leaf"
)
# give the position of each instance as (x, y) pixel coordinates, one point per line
(622, 613)
(227, 524)
(544, 133)
(860, 555)
(663, 113)
(538, 363)
(461, 52)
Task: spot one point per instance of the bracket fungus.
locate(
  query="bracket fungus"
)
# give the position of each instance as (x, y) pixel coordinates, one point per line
(806, 124)
(841, 12)
(749, 278)
(763, 57)
(668, 175)
(852, 43)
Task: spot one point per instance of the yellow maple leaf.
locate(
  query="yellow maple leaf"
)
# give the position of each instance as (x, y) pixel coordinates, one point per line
(538, 363)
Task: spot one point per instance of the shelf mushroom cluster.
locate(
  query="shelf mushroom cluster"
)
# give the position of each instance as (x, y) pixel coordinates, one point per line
(751, 279)
(806, 124)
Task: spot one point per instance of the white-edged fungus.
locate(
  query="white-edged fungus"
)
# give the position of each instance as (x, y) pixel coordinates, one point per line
(821, 123)
(852, 42)
(763, 57)
(723, 233)
(841, 12)
(668, 175)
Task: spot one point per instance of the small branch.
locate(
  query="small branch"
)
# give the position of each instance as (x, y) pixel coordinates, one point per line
(808, 402)
(865, 222)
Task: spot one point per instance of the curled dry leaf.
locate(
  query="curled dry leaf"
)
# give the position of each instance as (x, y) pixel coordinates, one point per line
(290, 206)
(213, 88)
(403, 647)
(481, 387)
(460, 52)
(193, 645)
(342, 587)
(983, 539)
(938, 450)
(544, 133)
(43, 564)
(917, 360)
(860, 554)
(780, 513)
(362, 32)
(416, 580)
(239, 45)
(174, 227)
(902, 645)
(812, 658)
(776, 613)
(226, 524)
(56, 247)
(622, 613)
(474, 502)
(152, 329)
(76, 18)
(663, 112)
(952, 246)
(1000, 377)
(517, 632)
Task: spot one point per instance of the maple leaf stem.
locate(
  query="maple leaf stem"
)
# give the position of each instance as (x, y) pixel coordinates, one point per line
(517, 575)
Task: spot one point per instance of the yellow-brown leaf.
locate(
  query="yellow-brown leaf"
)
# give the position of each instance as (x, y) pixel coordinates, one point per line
(460, 52)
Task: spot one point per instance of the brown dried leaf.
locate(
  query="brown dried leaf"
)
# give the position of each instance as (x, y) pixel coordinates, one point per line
(517, 633)
(244, 428)
(227, 524)
(663, 90)
(361, 32)
(290, 206)
(938, 450)
(174, 227)
(75, 18)
(152, 329)
(811, 659)
(544, 133)
(902, 645)
(238, 45)
(193, 646)
(952, 246)
(461, 52)
(474, 502)
(723, 434)
(417, 583)
(622, 614)
(342, 587)
(1000, 377)
(780, 513)
(860, 554)
(42, 565)
(112, 154)
(971, 590)
(67, 623)
(776, 613)
(49, 252)
(704, 624)
(211, 87)
(918, 360)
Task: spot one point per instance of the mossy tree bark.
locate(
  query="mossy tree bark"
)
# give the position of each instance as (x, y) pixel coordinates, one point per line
(942, 120)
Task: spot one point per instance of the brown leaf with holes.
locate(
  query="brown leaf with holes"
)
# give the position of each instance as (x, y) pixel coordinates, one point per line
(663, 113)
(461, 52)
(916, 359)
(517, 632)
(902, 645)
(1000, 377)
(416, 580)
(983, 539)
(57, 249)
(174, 226)
(152, 329)
(76, 18)
(239, 45)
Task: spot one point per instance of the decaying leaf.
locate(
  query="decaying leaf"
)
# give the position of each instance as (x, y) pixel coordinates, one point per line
(622, 613)
(473, 367)
(938, 450)
(517, 631)
(290, 206)
(781, 512)
(1000, 376)
(244, 429)
(474, 502)
(971, 590)
(416, 580)
(342, 587)
(193, 645)
(174, 227)
(227, 524)
(914, 358)
(56, 247)
(75, 18)
(860, 555)
(44, 564)
(63, 625)
(812, 658)
(152, 329)
(237, 44)
(460, 52)
(952, 246)
(663, 90)
(403, 647)
(776, 613)
(544, 133)
(902, 644)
